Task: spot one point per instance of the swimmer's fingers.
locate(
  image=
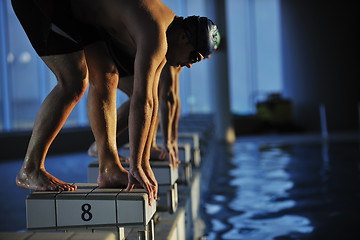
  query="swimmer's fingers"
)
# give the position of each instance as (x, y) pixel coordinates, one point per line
(152, 180)
(131, 183)
(173, 159)
(138, 175)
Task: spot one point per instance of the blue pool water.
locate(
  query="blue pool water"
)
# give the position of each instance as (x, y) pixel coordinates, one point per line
(259, 188)
(69, 167)
(284, 189)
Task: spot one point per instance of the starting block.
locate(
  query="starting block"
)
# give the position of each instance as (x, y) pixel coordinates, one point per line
(185, 168)
(168, 198)
(165, 175)
(57, 235)
(184, 151)
(90, 207)
(193, 139)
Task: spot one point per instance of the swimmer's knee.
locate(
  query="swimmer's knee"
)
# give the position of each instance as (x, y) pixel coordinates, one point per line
(80, 88)
(112, 80)
(75, 84)
(104, 75)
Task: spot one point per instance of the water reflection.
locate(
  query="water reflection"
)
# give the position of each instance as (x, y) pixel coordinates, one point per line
(269, 228)
(299, 189)
(250, 204)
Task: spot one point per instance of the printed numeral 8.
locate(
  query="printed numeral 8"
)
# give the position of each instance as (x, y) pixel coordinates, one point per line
(86, 215)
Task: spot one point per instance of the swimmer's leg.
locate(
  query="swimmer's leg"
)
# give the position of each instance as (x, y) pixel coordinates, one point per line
(121, 125)
(92, 152)
(102, 114)
(71, 73)
(156, 153)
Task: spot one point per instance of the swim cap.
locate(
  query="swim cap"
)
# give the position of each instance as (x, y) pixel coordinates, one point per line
(217, 41)
(202, 33)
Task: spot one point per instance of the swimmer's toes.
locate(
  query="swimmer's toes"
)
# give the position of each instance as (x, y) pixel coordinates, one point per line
(72, 188)
(68, 187)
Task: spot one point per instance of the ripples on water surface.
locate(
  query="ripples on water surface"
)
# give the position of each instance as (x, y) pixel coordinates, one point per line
(284, 191)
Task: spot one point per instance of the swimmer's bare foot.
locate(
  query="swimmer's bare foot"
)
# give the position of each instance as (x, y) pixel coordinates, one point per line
(112, 175)
(157, 154)
(92, 151)
(41, 180)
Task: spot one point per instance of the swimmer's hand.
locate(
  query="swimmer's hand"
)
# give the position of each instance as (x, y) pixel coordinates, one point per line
(172, 152)
(145, 178)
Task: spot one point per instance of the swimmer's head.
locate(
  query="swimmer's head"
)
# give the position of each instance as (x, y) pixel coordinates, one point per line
(202, 33)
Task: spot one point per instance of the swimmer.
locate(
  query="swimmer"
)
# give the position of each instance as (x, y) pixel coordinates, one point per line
(70, 37)
(169, 98)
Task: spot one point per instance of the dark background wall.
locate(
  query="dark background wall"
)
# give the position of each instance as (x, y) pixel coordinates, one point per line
(320, 61)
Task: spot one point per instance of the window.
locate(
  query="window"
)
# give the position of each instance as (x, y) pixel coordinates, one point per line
(254, 65)
(25, 80)
(254, 52)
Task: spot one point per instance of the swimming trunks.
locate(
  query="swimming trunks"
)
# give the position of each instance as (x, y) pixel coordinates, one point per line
(52, 27)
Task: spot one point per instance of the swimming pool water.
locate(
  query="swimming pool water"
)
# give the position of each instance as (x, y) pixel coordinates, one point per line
(256, 189)
(284, 190)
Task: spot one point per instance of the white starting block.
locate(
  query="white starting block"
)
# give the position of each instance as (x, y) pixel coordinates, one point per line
(57, 235)
(90, 207)
(194, 141)
(184, 151)
(185, 168)
(165, 175)
(168, 198)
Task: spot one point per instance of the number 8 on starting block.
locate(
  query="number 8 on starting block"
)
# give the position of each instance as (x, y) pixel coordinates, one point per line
(88, 208)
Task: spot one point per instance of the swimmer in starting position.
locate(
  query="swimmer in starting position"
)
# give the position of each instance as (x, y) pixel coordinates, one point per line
(169, 97)
(70, 37)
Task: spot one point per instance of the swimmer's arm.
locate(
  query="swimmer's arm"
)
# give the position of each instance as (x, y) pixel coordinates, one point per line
(177, 108)
(170, 110)
(166, 105)
(148, 64)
